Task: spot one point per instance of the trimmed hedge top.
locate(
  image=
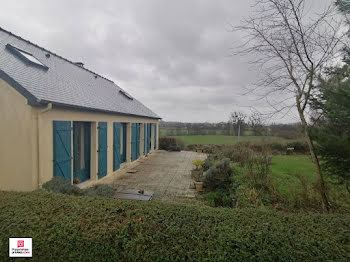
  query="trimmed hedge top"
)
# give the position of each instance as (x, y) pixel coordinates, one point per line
(82, 228)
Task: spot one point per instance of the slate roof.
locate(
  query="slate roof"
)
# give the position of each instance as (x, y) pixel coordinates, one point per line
(64, 83)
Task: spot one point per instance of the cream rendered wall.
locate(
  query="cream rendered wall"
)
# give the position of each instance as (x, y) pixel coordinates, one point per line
(18, 141)
(26, 139)
(46, 137)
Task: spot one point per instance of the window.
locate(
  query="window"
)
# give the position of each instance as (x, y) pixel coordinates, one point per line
(26, 57)
(126, 94)
(79, 146)
(31, 58)
(81, 152)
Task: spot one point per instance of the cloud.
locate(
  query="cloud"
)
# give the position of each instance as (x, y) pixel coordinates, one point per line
(174, 56)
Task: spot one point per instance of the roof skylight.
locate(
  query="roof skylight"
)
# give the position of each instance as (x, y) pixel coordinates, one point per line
(30, 57)
(26, 57)
(126, 94)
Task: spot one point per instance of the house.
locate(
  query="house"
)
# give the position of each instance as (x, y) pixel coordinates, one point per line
(59, 119)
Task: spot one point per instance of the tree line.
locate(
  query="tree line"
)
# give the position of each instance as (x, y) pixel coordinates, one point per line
(242, 125)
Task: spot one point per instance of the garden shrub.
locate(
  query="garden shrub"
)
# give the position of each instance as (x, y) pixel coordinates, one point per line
(307, 196)
(256, 188)
(191, 147)
(61, 185)
(207, 149)
(248, 197)
(208, 162)
(69, 228)
(174, 148)
(258, 147)
(299, 146)
(166, 142)
(238, 153)
(219, 175)
(180, 144)
(170, 144)
(277, 147)
(258, 168)
(102, 190)
(218, 199)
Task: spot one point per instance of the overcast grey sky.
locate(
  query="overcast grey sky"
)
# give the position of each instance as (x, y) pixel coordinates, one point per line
(174, 56)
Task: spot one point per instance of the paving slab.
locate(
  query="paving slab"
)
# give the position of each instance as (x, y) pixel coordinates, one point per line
(167, 174)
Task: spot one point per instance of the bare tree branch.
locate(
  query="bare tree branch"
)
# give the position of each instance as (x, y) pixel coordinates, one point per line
(291, 48)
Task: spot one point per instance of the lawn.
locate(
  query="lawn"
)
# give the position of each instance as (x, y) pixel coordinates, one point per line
(227, 140)
(284, 169)
(72, 228)
(283, 174)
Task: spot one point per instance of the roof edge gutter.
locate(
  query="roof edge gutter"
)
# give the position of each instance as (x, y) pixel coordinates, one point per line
(89, 109)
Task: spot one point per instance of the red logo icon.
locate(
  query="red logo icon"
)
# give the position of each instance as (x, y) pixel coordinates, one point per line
(20, 243)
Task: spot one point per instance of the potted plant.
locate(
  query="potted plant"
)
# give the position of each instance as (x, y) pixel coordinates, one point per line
(198, 171)
(198, 185)
(197, 174)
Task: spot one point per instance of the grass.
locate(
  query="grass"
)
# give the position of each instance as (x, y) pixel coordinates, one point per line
(224, 140)
(71, 228)
(284, 169)
(283, 174)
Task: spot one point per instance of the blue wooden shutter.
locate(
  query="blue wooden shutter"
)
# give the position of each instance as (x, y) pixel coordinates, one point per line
(62, 149)
(102, 149)
(138, 140)
(155, 136)
(133, 141)
(116, 146)
(149, 136)
(123, 156)
(145, 138)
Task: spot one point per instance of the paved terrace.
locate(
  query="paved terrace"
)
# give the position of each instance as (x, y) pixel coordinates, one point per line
(167, 174)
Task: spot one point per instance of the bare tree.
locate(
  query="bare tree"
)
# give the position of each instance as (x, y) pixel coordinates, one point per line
(236, 121)
(256, 123)
(291, 46)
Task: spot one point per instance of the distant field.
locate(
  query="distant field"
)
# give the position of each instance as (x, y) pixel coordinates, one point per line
(185, 132)
(227, 140)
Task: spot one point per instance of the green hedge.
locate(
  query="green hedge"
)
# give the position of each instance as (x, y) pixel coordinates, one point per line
(82, 228)
(63, 186)
(170, 144)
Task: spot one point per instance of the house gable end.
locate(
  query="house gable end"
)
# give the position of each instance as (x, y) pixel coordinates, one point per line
(32, 100)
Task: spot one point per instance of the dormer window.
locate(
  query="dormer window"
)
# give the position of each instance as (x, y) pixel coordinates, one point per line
(26, 57)
(126, 94)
